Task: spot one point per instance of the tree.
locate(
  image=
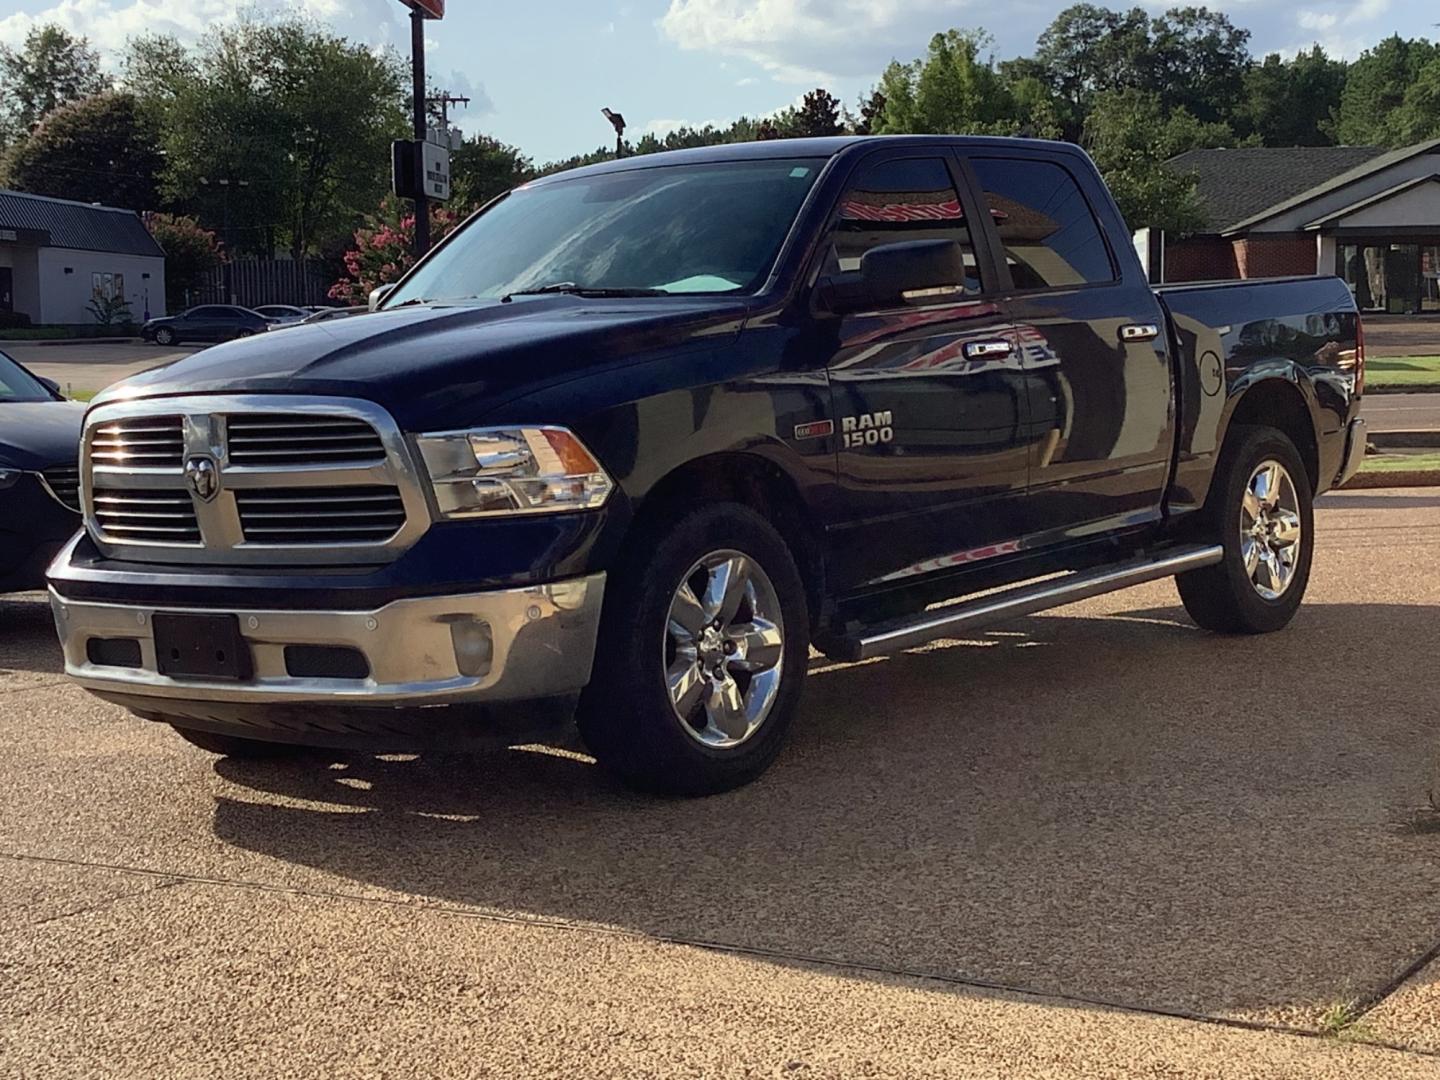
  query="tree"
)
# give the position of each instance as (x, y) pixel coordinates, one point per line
(483, 168)
(951, 91)
(1376, 87)
(384, 249)
(191, 252)
(99, 149)
(817, 116)
(871, 106)
(1417, 118)
(275, 131)
(52, 68)
(1293, 102)
(1131, 135)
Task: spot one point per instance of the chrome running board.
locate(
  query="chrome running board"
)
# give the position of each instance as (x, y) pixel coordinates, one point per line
(1016, 601)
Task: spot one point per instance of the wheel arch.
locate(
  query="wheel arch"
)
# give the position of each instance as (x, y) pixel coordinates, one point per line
(1279, 403)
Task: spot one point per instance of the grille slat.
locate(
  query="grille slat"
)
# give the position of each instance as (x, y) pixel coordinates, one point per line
(144, 442)
(63, 481)
(147, 515)
(320, 515)
(301, 439)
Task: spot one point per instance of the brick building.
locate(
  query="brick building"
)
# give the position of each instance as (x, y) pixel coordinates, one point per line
(1368, 215)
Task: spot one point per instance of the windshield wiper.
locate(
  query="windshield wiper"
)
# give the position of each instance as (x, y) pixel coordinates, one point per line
(571, 289)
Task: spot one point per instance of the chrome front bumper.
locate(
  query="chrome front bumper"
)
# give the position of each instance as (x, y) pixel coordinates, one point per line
(1355, 442)
(502, 646)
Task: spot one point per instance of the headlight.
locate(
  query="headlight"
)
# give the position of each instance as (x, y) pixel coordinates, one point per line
(500, 471)
(8, 477)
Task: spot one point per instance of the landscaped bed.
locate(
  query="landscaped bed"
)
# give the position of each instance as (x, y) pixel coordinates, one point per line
(1386, 373)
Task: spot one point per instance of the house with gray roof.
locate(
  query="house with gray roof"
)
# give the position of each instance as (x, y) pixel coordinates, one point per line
(1370, 216)
(57, 255)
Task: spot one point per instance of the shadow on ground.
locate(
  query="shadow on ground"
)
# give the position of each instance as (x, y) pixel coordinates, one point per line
(1121, 808)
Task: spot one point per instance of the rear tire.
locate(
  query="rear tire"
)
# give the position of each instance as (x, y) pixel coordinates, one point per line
(165, 336)
(703, 651)
(1260, 510)
(237, 747)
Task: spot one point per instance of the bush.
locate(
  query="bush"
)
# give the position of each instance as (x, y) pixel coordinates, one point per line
(14, 320)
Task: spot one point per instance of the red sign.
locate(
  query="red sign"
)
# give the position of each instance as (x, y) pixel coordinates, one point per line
(431, 9)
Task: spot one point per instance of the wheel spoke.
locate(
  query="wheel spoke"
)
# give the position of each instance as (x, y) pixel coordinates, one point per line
(1250, 549)
(687, 615)
(1287, 530)
(1270, 496)
(726, 589)
(1251, 505)
(759, 645)
(1270, 571)
(725, 708)
(686, 683)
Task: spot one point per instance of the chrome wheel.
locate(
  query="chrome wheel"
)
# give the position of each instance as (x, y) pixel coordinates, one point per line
(1271, 531)
(724, 649)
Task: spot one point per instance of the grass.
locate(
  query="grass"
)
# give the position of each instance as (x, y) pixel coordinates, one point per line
(1338, 1017)
(38, 333)
(1402, 372)
(1401, 463)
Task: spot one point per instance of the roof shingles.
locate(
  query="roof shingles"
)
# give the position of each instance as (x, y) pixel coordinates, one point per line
(1240, 184)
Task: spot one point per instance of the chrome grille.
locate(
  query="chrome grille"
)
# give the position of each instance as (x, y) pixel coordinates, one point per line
(320, 515)
(154, 516)
(63, 483)
(300, 439)
(292, 479)
(139, 442)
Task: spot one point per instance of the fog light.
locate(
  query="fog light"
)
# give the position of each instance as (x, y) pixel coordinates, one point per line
(474, 647)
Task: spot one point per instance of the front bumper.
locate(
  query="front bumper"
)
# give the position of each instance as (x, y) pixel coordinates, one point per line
(1356, 439)
(506, 645)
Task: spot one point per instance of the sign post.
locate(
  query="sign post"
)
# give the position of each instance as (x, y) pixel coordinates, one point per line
(420, 10)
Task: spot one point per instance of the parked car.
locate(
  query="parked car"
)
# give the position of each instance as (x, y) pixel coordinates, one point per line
(630, 441)
(39, 475)
(282, 314)
(207, 322)
(327, 314)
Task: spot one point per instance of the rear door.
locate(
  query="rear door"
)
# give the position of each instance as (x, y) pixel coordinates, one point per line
(1091, 342)
(931, 410)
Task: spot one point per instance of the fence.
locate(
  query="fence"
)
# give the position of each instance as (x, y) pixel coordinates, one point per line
(251, 282)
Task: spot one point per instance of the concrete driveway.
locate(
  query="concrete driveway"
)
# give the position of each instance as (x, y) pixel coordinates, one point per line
(1094, 842)
(90, 368)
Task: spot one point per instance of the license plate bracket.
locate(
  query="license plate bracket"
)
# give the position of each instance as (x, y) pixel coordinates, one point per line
(200, 647)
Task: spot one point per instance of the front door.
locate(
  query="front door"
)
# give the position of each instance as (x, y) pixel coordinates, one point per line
(1091, 343)
(930, 407)
(7, 289)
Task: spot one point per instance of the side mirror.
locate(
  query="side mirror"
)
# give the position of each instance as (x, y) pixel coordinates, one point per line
(51, 385)
(892, 273)
(377, 295)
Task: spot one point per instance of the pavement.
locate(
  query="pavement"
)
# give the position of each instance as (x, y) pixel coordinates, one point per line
(1402, 412)
(1096, 842)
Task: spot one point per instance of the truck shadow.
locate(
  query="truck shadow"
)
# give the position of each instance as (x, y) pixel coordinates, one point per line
(1121, 808)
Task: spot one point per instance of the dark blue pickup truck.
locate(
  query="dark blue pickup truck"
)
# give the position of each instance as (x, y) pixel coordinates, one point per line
(628, 444)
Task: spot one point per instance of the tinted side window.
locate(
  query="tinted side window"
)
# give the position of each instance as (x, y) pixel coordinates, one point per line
(1049, 233)
(905, 199)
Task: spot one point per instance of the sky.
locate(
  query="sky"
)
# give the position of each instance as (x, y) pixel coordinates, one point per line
(539, 72)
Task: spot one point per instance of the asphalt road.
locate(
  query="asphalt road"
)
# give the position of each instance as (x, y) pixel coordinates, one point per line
(1043, 852)
(1402, 412)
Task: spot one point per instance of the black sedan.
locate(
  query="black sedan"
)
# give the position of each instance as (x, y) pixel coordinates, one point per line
(207, 322)
(39, 475)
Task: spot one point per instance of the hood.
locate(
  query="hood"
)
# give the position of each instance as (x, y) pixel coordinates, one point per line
(37, 434)
(436, 365)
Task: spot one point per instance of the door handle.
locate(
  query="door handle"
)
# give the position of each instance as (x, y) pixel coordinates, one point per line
(1139, 332)
(979, 350)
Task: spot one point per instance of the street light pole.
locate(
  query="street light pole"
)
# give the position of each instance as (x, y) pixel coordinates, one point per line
(417, 64)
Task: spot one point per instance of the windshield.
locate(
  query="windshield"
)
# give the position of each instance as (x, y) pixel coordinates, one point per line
(17, 384)
(678, 229)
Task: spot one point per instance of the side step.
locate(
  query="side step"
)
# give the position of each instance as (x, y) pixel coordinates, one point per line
(1019, 600)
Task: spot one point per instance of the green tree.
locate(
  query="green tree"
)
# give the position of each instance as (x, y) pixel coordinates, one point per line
(1376, 87)
(274, 131)
(191, 252)
(1293, 102)
(52, 68)
(818, 115)
(1131, 135)
(952, 90)
(483, 168)
(1417, 118)
(98, 149)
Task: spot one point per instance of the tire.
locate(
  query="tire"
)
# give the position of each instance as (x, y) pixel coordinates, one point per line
(1239, 597)
(237, 747)
(244, 333)
(165, 336)
(737, 686)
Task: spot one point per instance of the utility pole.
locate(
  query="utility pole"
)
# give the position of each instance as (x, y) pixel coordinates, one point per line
(417, 64)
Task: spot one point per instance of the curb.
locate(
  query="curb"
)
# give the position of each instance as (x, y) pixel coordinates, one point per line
(1423, 388)
(1395, 478)
(1406, 440)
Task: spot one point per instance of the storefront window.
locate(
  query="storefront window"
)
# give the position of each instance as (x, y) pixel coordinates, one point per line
(1398, 279)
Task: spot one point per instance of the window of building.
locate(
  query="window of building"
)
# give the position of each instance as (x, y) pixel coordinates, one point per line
(1049, 232)
(894, 201)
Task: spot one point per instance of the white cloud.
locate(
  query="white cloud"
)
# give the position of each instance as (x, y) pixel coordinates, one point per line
(811, 41)
(1317, 20)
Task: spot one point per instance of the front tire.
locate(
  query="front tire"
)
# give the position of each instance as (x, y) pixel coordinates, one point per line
(1261, 511)
(165, 336)
(237, 747)
(703, 652)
